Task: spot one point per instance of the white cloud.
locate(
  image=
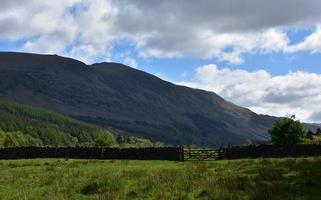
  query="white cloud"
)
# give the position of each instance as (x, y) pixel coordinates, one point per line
(206, 43)
(130, 62)
(223, 29)
(78, 28)
(311, 43)
(160, 75)
(233, 57)
(21, 19)
(294, 93)
(88, 53)
(274, 40)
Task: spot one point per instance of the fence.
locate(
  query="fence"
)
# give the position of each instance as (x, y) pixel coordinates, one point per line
(252, 151)
(164, 153)
(202, 154)
(272, 151)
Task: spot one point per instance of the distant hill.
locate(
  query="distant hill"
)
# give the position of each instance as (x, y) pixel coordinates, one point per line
(135, 102)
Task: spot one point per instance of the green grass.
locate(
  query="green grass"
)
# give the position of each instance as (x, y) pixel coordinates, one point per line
(288, 178)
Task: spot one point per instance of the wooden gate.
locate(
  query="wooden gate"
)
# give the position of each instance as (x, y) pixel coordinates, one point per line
(202, 154)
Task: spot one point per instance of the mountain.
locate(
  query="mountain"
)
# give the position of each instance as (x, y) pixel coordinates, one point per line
(137, 103)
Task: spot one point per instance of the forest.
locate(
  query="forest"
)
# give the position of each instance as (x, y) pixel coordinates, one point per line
(24, 125)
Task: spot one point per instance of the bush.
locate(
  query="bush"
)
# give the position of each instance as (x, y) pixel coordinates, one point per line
(105, 140)
(17, 138)
(2, 138)
(287, 131)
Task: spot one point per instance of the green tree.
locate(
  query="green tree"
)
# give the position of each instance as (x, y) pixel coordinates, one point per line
(105, 140)
(31, 141)
(287, 131)
(3, 137)
(14, 139)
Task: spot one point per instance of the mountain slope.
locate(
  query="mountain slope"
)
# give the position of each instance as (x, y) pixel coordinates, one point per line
(48, 127)
(114, 95)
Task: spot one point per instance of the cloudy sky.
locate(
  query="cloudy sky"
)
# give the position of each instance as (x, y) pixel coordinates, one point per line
(264, 55)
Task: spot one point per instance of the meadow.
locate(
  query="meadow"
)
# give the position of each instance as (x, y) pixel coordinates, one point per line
(286, 178)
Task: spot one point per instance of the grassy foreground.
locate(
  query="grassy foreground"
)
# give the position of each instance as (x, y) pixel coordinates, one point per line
(288, 178)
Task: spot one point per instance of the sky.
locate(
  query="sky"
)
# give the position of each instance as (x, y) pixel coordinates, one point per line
(263, 55)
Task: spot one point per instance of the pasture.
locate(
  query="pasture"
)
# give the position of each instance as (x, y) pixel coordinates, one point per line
(266, 178)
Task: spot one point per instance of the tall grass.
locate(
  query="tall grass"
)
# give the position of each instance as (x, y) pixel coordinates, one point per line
(290, 178)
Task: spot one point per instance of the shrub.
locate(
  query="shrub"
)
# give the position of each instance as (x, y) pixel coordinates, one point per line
(105, 140)
(17, 138)
(287, 131)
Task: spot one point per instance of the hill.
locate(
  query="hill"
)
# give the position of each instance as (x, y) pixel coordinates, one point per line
(135, 102)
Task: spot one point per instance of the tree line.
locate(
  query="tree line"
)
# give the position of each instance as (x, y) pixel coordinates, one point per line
(24, 125)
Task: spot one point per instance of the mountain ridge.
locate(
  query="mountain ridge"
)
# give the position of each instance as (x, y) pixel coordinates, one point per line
(115, 95)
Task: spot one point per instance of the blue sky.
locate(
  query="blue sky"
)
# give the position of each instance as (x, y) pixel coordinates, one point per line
(264, 55)
(182, 69)
(276, 63)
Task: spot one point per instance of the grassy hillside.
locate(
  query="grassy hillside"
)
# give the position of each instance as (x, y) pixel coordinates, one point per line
(23, 125)
(288, 178)
(48, 127)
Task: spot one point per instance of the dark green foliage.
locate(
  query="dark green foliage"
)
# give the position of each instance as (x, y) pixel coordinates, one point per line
(287, 131)
(313, 137)
(105, 140)
(130, 141)
(11, 139)
(309, 134)
(24, 125)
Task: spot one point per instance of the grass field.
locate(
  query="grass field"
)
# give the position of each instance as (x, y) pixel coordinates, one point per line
(288, 178)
